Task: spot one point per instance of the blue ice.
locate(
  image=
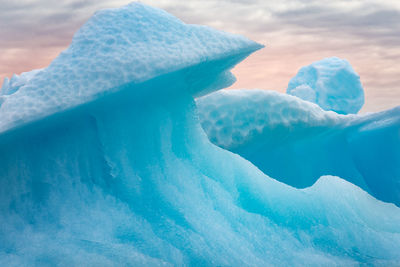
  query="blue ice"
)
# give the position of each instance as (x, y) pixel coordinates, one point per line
(296, 142)
(331, 83)
(104, 163)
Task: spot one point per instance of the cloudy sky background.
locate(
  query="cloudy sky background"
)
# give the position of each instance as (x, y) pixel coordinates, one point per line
(295, 32)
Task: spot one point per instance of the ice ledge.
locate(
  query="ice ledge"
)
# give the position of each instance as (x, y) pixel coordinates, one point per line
(116, 47)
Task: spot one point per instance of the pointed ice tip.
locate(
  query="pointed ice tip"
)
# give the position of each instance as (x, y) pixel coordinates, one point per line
(14, 78)
(259, 46)
(255, 46)
(5, 85)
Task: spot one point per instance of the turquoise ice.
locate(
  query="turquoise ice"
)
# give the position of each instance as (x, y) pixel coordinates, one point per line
(331, 83)
(296, 142)
(104, 163)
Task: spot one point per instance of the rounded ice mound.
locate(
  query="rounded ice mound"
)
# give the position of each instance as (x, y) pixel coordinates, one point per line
(331, 83)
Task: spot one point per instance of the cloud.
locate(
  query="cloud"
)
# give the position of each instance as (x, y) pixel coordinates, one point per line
(296, 33)
(379, 25)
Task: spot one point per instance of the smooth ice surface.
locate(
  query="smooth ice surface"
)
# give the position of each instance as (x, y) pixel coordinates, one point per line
(331, 83)
(130, 178)
(296, 142)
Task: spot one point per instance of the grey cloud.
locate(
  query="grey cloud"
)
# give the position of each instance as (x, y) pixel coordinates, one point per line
(42, 23)
(377, 24)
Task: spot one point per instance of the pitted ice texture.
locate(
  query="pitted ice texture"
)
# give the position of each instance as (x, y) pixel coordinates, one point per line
(117, 47)
(331, 83)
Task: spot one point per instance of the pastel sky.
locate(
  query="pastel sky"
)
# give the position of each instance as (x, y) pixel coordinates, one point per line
(295, 32)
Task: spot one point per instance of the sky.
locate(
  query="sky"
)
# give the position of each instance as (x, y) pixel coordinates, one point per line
(295, 33)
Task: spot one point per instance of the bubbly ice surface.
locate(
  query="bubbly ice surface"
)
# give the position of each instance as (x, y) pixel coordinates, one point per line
(331, 83)
(117, 47)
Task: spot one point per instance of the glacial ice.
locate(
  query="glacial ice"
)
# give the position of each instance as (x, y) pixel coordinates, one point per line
(297, 142)
(104, 163)
(153, 43)
(331, 83)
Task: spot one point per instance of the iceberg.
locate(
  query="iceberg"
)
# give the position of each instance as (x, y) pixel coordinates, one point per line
(331, 83)
(296, 141)
(104, 163)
